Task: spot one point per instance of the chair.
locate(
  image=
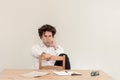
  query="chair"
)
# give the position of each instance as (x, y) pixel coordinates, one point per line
(56, 58)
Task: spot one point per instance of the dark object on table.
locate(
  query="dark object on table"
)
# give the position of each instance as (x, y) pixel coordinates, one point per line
(95, 73)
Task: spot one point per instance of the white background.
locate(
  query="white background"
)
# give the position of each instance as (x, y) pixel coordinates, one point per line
(88, 30)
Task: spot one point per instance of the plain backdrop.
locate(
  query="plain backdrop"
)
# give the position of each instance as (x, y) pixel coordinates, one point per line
(88, 30)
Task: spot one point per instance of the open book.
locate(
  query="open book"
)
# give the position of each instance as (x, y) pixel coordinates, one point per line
(34, 74)
(65, 73)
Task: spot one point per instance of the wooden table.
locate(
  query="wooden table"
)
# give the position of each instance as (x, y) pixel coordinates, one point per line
(16, 74)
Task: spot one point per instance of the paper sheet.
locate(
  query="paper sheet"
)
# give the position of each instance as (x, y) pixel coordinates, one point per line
(35, 74)
(69, 73)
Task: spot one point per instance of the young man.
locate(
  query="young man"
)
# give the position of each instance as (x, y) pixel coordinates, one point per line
(48, 47)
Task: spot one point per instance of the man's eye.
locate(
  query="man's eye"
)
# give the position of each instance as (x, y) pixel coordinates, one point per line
(50, 36)
(45, 36)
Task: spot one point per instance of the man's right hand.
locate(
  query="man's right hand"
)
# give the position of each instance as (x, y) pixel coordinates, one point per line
(47, 56)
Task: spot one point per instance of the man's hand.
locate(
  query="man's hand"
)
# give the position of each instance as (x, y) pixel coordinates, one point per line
(47, 56)
(53, 44)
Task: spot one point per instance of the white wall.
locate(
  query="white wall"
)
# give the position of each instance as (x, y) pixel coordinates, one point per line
(89, 30)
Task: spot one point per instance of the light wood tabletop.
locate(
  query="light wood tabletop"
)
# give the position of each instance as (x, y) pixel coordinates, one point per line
(16, 74)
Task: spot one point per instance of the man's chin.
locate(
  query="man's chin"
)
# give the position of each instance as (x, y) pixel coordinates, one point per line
(48, 45)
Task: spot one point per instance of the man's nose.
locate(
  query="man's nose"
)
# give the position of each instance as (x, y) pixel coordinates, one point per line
(48, 38)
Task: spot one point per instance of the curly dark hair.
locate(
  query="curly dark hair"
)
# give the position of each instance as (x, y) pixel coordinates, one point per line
(45, 28)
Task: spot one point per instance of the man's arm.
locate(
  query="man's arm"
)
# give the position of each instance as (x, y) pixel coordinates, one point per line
(47, 56)
(53, 44)
(59, 50)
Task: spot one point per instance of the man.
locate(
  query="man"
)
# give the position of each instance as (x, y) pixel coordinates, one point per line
(48, 47)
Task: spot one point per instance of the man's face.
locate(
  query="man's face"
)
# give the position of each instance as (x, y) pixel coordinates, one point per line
(47, 38)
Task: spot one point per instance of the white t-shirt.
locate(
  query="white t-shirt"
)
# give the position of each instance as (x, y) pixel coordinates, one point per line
(38, 49)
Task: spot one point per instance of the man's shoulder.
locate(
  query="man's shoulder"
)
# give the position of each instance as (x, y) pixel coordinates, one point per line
(36, 46)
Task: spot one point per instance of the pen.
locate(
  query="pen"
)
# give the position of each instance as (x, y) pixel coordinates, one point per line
(66, 71)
